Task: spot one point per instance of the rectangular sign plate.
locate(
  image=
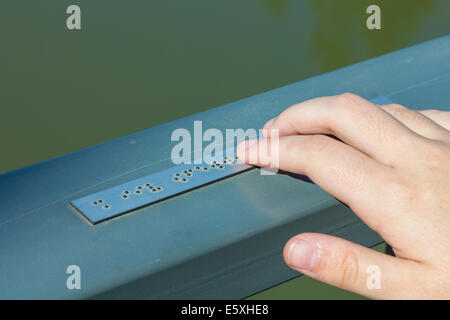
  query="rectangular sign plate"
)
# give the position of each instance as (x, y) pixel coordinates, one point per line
(158, 186)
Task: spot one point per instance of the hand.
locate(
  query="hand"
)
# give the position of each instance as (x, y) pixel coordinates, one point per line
(391, 166)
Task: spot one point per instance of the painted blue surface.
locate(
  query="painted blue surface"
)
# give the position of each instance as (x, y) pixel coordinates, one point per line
(221, 241)
(382, 100)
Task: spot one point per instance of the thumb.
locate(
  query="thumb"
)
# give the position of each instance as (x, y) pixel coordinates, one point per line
(349, 266)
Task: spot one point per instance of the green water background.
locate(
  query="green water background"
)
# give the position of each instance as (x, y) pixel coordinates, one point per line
(137, 64)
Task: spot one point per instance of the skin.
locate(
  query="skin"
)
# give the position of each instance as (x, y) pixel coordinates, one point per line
(391, 166)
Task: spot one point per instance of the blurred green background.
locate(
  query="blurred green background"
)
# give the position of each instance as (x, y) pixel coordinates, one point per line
(136, 64)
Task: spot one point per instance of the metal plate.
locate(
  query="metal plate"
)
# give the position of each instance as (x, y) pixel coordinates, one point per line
(158, 186)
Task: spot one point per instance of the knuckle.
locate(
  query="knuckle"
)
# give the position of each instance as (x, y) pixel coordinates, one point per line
(288, 149)
(347, 98)
(347, 101)
(356, 110)
(318, 145)
(348, 269)
(290, 146)
(403, 189)
(395, 109)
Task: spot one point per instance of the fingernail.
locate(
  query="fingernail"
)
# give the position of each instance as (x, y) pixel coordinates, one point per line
(302, 255)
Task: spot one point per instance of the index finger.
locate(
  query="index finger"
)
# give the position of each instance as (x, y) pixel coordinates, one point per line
(352, 119)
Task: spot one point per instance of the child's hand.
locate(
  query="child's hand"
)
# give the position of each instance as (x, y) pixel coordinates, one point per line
(392, 168)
